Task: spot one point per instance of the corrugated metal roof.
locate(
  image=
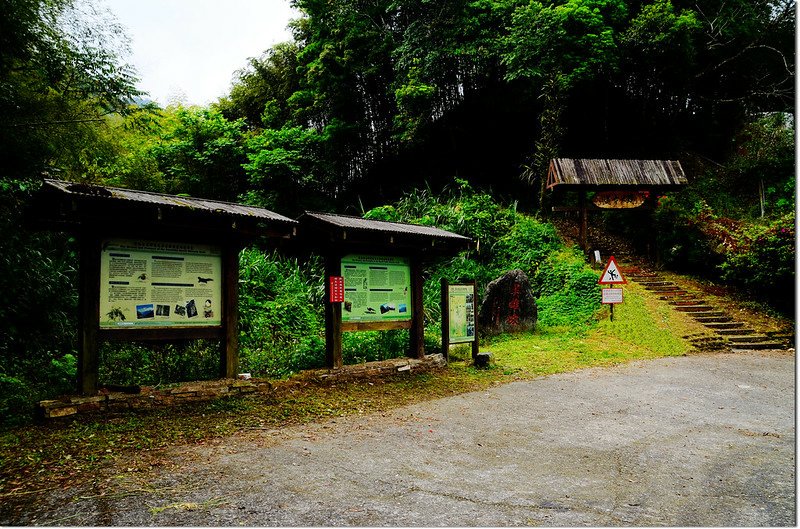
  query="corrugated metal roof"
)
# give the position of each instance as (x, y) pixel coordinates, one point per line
(380, 226)
(146, 197)
(597, 172)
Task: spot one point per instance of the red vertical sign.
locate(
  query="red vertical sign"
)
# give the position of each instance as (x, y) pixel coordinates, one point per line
(336, 289)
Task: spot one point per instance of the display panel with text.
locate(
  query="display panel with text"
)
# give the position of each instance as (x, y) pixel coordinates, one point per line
(376, 288)
(159, 284)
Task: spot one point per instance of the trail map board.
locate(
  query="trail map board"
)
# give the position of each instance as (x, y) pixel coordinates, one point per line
(461, 312)
(376, 288)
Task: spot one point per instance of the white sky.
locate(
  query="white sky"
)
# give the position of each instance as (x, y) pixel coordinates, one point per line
(188, 50)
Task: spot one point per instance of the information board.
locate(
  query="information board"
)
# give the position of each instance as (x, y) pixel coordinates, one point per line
(461, 313)
(159, 284)
(376, 288)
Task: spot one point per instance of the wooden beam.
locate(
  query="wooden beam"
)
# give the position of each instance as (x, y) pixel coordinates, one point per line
(89, 313)
(475, 342)
(350, 326)
(229, 360)
(163, 334)
(445, 305)
(333, 315)
(583, 222)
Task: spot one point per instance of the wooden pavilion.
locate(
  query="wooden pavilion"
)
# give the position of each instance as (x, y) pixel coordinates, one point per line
(617, 184)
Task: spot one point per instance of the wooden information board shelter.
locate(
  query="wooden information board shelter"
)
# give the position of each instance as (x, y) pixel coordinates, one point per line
(154, 266)
(380, 267)
(619, 184)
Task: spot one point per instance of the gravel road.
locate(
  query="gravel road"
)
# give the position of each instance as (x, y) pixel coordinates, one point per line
(699, 440)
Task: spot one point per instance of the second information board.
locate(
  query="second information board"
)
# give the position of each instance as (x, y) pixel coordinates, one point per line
(376, 288)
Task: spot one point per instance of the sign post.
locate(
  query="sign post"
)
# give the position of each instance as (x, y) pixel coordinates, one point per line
(611, 276)
(459, 321)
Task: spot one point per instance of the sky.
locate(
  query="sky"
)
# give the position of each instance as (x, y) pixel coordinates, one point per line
(187, 50)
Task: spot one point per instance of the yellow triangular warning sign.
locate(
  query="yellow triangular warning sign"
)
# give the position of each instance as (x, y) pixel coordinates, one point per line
(611, 274)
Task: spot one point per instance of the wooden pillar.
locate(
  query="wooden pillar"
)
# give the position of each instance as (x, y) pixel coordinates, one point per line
(583, 222)
(88, 313)
(475, 342)
(229, 358)
(445, 304)
(417, 332)
(333, 316)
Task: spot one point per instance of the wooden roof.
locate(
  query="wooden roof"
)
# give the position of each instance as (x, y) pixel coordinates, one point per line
(346, 231)
(597, 173)
(70, 205)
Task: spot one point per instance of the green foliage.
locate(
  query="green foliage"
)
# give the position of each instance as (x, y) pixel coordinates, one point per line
(280, 319)
(285, 170)
(573, 40)
(202, 154)
(763, 261)
(566, 288)
(39, 283)
(60, 74)
(157, 364)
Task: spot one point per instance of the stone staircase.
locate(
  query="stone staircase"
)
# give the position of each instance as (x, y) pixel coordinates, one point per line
(734, 335)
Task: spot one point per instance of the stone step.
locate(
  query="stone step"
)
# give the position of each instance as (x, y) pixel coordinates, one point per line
(687, 302)
(752, 338)
(706, 319)
(672, 294)
(744, 347)
(656, 283)
(665, 288)
(735, 332)
(697, 308)
(724, 325)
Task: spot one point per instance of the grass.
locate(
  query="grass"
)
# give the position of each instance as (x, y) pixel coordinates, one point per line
(59, 454)
(642, 328)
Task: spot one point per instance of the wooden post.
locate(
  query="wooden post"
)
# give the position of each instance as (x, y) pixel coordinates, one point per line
(417, 332)
(88, 313)
(445, 304)
(229, 361)
(333, 316)
(583, 222)
(475, 343)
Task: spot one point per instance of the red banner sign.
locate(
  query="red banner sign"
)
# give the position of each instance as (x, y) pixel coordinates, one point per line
(336, 289)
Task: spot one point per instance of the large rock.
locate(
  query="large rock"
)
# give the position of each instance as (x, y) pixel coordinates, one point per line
(508, 305)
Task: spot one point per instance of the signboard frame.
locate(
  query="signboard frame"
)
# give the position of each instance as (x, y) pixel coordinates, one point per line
(448, 292)
(151, 284)
(377, 290)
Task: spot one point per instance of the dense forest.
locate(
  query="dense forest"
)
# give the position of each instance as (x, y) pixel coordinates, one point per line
(442, 113)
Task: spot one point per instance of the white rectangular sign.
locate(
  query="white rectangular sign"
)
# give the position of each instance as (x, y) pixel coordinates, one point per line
(611, 295)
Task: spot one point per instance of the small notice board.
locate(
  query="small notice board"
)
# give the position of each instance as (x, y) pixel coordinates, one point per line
(611, 296)
(459, 315)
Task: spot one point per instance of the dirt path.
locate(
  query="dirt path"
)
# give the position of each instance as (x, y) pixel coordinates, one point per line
(697, 440)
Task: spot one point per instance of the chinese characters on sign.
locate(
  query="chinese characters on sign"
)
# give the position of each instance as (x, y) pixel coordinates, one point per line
(513, 304)
(336, 289)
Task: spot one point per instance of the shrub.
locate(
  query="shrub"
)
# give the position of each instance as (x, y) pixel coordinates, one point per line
(763, 261)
